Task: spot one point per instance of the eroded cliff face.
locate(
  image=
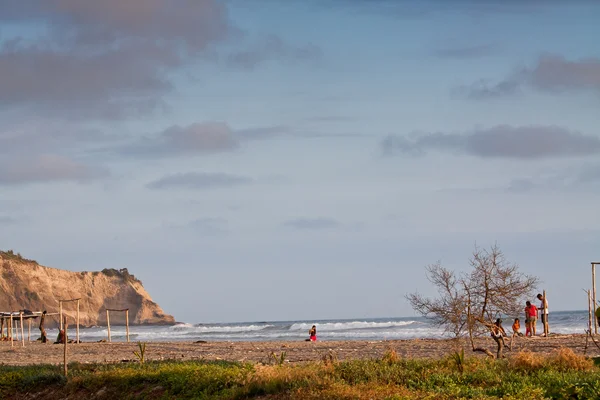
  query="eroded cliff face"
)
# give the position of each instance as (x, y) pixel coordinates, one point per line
(24, 284)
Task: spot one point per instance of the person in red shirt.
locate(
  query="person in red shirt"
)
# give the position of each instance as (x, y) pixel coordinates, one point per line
(313, 334)
(533, 311)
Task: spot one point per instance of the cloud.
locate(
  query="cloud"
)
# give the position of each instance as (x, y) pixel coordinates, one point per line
(46, 168)
(312, 223)
(104, 59)
(552, 73)
(198, 180)
(503, 141)
(39, 135)
(197, 138)
(273, 47)
(466, 52)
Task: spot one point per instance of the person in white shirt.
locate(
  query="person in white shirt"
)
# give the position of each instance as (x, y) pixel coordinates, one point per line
(543, 309)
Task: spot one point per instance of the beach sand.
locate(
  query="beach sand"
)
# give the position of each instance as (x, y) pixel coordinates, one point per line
(38, 353)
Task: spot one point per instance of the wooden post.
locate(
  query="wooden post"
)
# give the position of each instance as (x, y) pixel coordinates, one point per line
(60, 317)
(590, 312)
(108, 325)
(29, 330)
(594, 296)
(77, 338)
(127, 323)
(65, 351)
(22, 331)
(545, 311)
(11, 330)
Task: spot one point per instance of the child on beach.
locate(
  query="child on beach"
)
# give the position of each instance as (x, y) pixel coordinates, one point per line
(516, 327)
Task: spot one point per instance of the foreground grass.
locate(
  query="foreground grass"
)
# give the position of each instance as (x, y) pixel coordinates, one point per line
(562, 375)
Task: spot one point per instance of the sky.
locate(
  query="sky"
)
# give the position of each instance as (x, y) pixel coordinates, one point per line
(256, 160)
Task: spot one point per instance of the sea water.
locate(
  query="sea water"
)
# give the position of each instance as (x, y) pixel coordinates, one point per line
(374, 329)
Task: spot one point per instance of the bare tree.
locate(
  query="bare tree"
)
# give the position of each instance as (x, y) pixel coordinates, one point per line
(469, 303)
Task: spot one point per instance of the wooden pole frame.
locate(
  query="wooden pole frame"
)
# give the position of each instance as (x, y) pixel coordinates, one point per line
(22, 331)
(594, 295)
(127, 324)
(126, 310)
(108, 325)
(546, 314)
(60, 306)
(65, 350)
(590, 313)
(11, 331)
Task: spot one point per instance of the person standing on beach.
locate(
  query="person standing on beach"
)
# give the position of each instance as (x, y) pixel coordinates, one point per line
(533, 311)
(543, 310)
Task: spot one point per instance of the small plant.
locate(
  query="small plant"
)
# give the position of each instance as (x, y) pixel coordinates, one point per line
(278, 360)
(141, 354)
(459, 360)
(390, 356)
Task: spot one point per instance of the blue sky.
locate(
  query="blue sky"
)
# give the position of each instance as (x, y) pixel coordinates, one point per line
(262, 160)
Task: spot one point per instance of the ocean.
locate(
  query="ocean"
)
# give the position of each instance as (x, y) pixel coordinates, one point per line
(344, 329)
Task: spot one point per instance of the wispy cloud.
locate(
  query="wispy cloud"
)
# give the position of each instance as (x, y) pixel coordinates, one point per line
(46, 168)
(197, 138)
(552, 73)
(199, 180)
(504, 141)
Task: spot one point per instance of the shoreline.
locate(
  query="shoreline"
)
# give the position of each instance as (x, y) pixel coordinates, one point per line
(262, 352)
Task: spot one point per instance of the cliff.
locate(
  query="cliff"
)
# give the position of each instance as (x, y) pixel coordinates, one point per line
(24, 284)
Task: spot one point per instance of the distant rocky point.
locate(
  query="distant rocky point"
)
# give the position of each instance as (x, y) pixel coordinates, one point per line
(25, 284)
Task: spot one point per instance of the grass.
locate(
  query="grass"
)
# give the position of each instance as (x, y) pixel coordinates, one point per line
(562, 375)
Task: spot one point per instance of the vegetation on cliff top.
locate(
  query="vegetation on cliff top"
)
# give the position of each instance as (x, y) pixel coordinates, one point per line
(121, 273)
(11, 255)
(562, 375)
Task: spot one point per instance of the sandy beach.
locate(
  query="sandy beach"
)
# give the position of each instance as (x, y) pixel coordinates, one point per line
(38, 353)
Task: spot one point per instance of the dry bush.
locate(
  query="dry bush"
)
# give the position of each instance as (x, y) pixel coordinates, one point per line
(390, 356)
(565, 359)
(526, 361)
